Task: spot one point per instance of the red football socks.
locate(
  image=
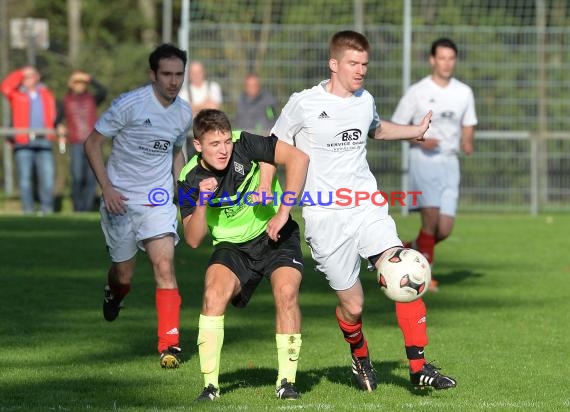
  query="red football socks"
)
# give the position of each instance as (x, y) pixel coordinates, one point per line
(354, 336)
(412, 321)
(425, 244)
(168, 303)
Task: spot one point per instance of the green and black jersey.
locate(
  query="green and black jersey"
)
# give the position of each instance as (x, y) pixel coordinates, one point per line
(230, 214)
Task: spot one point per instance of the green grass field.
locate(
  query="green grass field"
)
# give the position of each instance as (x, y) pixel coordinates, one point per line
(499, 325)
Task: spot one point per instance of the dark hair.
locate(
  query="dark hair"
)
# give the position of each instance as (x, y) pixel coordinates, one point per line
(347, 40)
(210, 120)
(165, 51)
(442, 42)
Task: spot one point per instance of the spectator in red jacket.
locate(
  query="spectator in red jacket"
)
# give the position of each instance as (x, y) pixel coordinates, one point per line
(76, 117)
(33, 107)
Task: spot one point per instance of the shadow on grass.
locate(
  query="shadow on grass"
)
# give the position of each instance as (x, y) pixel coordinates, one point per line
(456, 276)
(308, 379)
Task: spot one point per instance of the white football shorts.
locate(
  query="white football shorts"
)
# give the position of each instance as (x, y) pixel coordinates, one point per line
(339, 238)
(124, 234)
(436, 176)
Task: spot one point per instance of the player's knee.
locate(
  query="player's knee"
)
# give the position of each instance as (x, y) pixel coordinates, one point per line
(352, 311)
(163, 267)
(215, 301)
(286, 296)
(288, 290)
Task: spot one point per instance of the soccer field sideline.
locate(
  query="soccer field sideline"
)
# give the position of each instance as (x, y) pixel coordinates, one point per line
(497, 325)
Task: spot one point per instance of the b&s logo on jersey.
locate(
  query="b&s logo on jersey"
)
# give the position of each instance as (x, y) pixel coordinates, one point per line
(349, 135)
(156, 147)
(346, 140)
(161, 145)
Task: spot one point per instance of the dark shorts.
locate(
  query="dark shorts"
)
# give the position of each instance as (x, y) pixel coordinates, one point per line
(258, 258)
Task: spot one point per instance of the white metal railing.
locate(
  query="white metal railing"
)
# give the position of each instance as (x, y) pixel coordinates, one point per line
(485, 185)
(509, 170)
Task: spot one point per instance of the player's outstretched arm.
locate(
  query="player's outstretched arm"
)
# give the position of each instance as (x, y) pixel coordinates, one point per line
(392, 131)
(296, 164)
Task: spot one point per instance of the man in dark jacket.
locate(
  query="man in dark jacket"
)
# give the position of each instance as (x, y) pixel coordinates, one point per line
(256, 107)
(77, 115)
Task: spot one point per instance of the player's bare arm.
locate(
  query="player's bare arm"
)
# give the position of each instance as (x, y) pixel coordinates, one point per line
(114, 200)
(392, 131)
(467, 136)
(296, 164)
(267, 172)
(178, 162)
(195, 225)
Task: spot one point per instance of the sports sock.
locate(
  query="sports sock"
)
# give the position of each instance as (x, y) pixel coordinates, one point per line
(210, 341)
(412, 321)
(168, 313)
(354, 336)
(288, 349)
(416, 358)
(119, 290)
(426, 245)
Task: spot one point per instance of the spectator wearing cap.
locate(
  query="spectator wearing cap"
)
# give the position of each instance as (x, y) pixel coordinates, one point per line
(77, 115)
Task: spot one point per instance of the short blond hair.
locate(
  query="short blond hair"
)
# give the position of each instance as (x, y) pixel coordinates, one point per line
(347, 40)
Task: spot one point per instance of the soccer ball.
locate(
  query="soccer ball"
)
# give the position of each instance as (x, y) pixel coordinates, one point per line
(404, 275)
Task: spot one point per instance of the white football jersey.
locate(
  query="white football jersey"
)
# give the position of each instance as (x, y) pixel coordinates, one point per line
(144, 133)
(453, 108)
(333, 131)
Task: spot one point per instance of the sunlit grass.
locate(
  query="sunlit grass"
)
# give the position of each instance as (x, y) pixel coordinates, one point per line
(498, 325)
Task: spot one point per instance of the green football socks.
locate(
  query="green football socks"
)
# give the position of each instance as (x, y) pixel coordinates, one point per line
(288, 348)
(210, 341)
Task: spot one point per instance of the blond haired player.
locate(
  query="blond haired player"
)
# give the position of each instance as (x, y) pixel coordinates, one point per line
(332, 123)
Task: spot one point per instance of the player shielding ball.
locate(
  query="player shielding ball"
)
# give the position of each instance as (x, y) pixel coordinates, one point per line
(434, 165)
(331, 122)
(251, 241)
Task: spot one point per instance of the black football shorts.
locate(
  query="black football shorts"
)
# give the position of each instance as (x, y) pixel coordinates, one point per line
(258, 258)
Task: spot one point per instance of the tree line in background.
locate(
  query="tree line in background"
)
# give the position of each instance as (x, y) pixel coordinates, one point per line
(285, 41)
(111, 39)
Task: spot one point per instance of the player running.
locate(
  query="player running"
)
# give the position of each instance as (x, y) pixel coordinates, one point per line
(434, 166)
(251, 241)
(148, 127)
(331, 122)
